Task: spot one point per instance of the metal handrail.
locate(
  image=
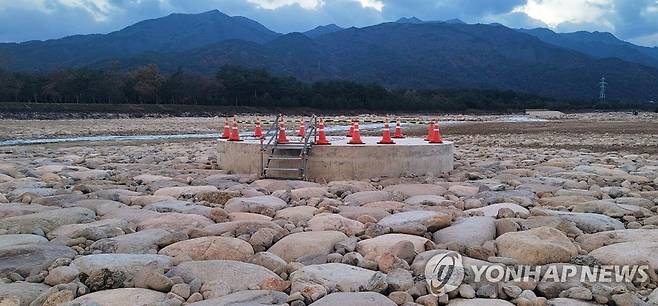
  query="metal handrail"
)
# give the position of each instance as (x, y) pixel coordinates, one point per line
(271, 142)
(272, 130)
(307, 141)
(311, 131)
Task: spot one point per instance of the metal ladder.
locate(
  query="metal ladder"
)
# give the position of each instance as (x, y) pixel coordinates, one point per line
(289, 159)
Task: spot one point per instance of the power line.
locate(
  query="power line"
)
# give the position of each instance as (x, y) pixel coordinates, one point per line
(604, 85)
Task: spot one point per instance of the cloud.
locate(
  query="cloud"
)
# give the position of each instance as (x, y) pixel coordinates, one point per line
(636, 20)
(515, 20)
(556, 12)
(647, 40)
(274, 4)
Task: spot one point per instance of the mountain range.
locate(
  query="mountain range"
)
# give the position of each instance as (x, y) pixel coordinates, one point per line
(408, 53)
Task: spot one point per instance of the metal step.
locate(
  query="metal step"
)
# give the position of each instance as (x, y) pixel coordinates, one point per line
(283, 169)
(284, 158)
(289, 147)
(295, 153)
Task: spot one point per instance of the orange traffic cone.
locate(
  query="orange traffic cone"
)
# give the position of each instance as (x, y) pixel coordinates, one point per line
(302, 129)
(235, 133)
(258, 132)
(356, 135)
(398, 130)
(322, 137)
(436, 135)
(386, 135)
(282, 134)
(430, 131)
(351, 131)
(227, 130)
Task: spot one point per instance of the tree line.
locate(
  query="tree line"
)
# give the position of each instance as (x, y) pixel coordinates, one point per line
(238, 86)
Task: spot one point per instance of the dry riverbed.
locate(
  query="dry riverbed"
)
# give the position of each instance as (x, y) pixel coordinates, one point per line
(157, 223)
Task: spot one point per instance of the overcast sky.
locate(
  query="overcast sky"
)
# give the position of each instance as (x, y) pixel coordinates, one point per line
(633, 20)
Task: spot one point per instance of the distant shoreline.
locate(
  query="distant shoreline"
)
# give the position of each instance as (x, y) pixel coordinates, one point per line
(55, 111)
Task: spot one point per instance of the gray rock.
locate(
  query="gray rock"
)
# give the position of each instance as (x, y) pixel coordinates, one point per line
(46, 221)
(210, 248)
(578, 293)
(400, 297)
(487, 291)
(653, 297)
(100, 207)
(296, 214)
(251, 297)
(187, 192)
(365, 197)
(262, 239)
(466, 291)
(301, 244)
(493, 209)
(258, 204)
(179, 207)
(128, 264)
(175, 222)
(429, 200)
(512, 291)
(405, 191)
(416, 222)
(20, 239)
(377, 283)
(587, 222)
(399, 280)
(594, 241)
(92, 231)
(182, 290)
(479, 302)
(235, 228)
(384, 243)
(335, 222)
(611, 209)
(21, 293)
(18, 209)
(537, 246)
(347, 245)
(120, 297)
(627, 299)
(333, 276)
(569, 302)
(61, 275)
(270, 261)
(472, 231)
(238, 275)
(340, 187)
(22, 259)
(142, 242)
(617, 254)
(354, 299)
(354, 212)
(151, 276)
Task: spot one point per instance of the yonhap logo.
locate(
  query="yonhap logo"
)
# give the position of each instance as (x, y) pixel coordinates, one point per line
(444, 273)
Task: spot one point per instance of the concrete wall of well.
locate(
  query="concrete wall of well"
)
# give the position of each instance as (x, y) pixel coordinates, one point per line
(347, 162)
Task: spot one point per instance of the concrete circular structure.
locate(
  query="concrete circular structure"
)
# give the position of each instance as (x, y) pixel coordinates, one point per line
(342, 161)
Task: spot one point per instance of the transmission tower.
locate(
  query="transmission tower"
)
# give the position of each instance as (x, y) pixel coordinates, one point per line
(604, 86)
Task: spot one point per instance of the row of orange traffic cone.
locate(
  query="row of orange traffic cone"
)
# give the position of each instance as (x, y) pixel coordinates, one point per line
(434, 133)
(355, 134)
(232, 133)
